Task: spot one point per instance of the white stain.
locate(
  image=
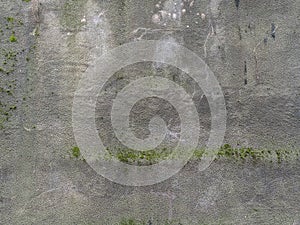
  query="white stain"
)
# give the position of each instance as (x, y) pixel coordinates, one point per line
(83, 20)
(203, 16)
(155, 18)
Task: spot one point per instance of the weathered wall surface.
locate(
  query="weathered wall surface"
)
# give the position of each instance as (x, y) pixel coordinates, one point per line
(46, 46)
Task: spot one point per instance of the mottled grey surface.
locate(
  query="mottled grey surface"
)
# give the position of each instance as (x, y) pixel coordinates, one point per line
(253, 48)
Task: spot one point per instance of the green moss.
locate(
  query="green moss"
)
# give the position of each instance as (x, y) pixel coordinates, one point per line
(249, 153)
(76, 152)
(26, 0)
(198, 153)
(10, 19)
(128, 222)
(8, 65)
(140, 157)
(12, 38)
(139, 222)
(13, 107)
(11, 55)
(9, 92)
(9, 62)
(4, 112)
(226, 151)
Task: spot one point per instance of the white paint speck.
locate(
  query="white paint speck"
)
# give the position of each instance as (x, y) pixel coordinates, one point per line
(83, 20)
(203, 16)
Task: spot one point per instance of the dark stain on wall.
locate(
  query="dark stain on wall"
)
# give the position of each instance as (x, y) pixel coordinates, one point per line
(245, 74)
(273, 30)
(237, 3)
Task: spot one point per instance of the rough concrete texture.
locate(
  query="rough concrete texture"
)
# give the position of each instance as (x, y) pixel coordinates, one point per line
(253, 48)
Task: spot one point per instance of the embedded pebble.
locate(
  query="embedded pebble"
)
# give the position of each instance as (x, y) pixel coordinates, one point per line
(155, 18)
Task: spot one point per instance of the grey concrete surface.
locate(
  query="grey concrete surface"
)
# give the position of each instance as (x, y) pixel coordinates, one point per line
(253, 48)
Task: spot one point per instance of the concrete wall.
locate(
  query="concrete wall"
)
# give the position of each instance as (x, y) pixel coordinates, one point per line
(253, 49)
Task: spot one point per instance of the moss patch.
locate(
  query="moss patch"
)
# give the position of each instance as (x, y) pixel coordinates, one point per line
(10, 19)
(242, 154)
(12, 38)
(226, 151)
(141, 157)
(128, 222)
(76, 152)
(149, 222)
(10, 55)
